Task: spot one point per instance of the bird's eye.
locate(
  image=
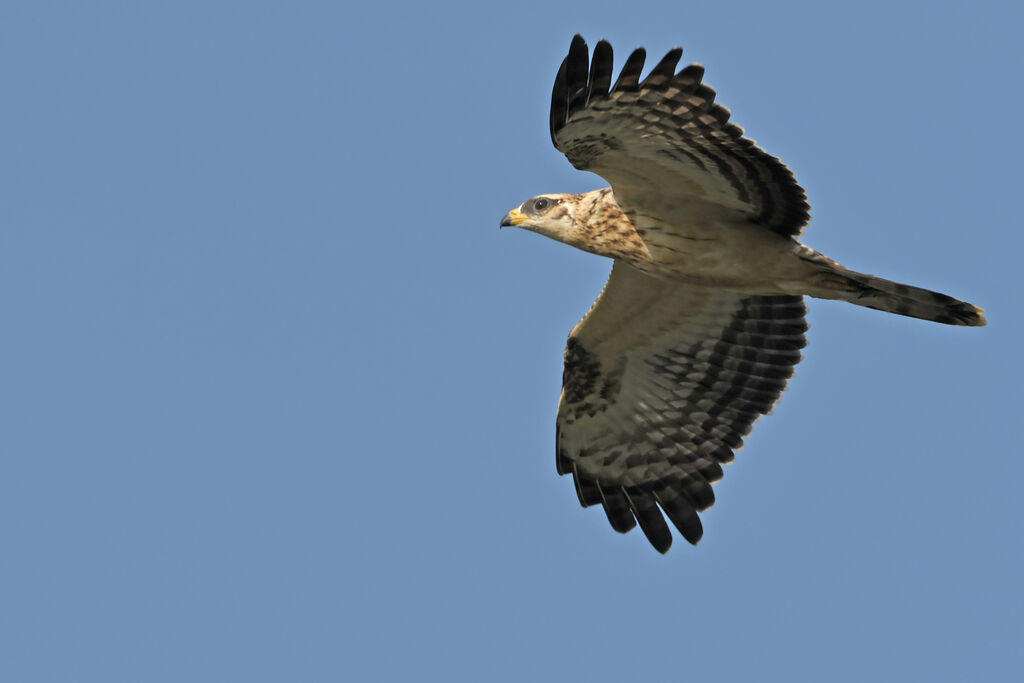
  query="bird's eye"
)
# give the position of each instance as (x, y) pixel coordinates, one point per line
(541, 204)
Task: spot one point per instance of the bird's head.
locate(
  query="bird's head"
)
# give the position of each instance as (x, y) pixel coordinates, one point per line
(551, 215)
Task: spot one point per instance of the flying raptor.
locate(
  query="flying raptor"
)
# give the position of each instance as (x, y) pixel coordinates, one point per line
(702, 320)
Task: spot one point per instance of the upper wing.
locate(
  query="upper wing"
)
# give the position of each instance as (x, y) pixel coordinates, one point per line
(661, 382)
(664, 140)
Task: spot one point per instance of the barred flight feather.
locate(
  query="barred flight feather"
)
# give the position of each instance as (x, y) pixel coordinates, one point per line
(668, 115)
(710, 363)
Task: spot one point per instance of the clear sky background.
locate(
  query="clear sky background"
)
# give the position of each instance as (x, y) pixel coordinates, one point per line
(277, 398)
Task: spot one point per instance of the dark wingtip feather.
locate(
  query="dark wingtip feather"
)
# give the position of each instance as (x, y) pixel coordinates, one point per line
(563, 465)
(664, 70)
(577, 70)
(689, 77)
(682, 515)
(559, 101)
(629, 78)
(652, 522)
(600, 70)
(586, 490)
(616, 507)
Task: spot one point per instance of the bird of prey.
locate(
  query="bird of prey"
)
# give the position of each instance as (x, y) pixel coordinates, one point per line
(702, 320)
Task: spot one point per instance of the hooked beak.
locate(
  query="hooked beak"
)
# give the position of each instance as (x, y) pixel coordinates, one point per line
(512, 218)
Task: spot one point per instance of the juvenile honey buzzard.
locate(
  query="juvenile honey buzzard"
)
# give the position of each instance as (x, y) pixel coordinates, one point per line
(702, 320)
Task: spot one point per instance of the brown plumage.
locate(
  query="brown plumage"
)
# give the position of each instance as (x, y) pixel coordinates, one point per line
(702, 320)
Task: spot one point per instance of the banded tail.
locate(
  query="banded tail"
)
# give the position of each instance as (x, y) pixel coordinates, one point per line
(875, 292)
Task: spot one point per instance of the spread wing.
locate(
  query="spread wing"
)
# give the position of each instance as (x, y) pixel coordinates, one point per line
(662, 381)
(663, 141)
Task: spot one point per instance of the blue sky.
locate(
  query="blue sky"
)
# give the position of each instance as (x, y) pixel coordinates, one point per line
(277, 397)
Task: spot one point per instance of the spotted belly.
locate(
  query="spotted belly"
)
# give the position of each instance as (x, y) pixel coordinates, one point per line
(728, 254)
